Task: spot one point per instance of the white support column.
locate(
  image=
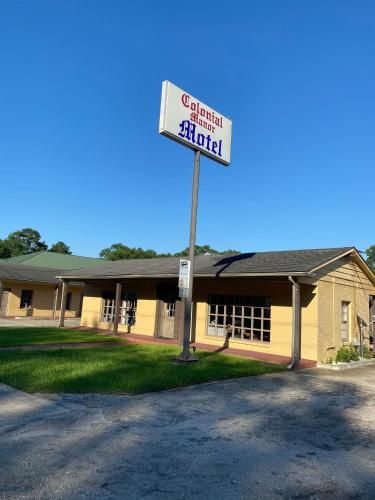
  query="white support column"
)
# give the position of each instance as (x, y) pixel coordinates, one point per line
(296, 326)
(63, 303)
(55, 302)
(1, 292)
(117, 308)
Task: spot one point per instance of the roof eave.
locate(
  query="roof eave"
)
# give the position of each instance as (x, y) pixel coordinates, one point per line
(28, 280)
(339, 256)
(174, 275)
(365, 267)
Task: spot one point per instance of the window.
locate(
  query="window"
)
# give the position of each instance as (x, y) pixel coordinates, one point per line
(345, 321)
(68, 301)
(128, 308)
(26, 299)
(240, 317)
(171, 309)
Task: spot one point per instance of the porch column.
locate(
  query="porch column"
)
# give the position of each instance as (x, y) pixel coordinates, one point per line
(296, 328)
(117, 308)
(63, 303)
(55, 302)
(1, 292)
(181, 322)
(193, 321)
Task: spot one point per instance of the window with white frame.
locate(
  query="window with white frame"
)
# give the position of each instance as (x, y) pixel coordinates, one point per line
(170, 309)
(128, 308)
(240, 317)
(345, 306)
(26, 299)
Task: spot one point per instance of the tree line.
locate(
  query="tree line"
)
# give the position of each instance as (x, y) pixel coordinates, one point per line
(28, 240)
(370, 252)
(119, 251)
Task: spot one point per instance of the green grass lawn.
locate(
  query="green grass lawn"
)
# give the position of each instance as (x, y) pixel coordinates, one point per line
(17, 336)
(131, 369)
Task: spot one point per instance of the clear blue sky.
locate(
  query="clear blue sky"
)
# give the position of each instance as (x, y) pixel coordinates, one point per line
(81, 159)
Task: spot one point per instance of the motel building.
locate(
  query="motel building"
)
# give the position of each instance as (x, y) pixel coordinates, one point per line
(29, 286)
(300, 305)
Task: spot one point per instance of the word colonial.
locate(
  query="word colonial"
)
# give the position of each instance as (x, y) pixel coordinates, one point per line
(199, 111)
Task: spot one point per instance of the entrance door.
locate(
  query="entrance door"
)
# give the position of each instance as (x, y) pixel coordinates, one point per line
(167, 319)
(4, 302)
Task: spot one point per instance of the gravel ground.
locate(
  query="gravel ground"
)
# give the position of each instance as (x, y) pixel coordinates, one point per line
(309, 435)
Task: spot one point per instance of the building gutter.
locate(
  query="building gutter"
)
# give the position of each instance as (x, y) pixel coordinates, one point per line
(296, 324)
(174, 275)
(25, 280)
(57, 282)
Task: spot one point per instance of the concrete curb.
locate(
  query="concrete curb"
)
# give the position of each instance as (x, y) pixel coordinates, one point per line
(346, 366)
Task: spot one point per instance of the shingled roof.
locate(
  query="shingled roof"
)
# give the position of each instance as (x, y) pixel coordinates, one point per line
(22, 272)
(284, 263)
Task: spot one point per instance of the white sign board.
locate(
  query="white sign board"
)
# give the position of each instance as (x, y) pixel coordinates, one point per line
(183, 278)
(185, 119)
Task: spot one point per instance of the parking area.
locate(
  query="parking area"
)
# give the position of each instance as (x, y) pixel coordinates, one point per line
(291, 435)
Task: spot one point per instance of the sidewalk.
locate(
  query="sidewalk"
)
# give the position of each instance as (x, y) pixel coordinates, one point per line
(38, 322)
(269, 358)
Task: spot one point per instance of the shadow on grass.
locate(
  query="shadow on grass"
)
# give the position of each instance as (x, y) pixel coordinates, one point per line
(129, 369)
(13, 337)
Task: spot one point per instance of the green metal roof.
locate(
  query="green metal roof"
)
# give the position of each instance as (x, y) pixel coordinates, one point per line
(54, 260)
(34, 274)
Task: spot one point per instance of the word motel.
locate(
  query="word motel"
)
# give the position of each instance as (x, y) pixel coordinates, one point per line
(188, 132)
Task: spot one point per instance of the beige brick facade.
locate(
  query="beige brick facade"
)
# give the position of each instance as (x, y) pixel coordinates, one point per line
(43, 298)
(347, 279)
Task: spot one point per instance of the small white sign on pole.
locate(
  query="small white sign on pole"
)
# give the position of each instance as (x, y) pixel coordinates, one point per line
(185, 119)
(183, 278)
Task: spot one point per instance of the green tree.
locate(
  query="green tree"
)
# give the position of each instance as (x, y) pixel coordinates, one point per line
(119, 251)
(22, 242)
(199, 250)
(60, 247)
(370, 252)
(5, 249)
(202, 249)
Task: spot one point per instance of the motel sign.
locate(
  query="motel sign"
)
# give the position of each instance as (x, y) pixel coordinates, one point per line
(190, 122)
(187, 120)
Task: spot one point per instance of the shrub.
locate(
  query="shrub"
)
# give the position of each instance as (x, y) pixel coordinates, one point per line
(367, 353)
(343, 355)
(354, 354)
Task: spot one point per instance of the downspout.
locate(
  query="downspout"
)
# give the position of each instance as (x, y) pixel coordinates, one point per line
(296, 324)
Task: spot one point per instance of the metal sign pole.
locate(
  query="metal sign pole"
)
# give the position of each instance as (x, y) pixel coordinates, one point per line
(186, 354)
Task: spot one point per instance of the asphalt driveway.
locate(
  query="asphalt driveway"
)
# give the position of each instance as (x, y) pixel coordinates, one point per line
(302, 436)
